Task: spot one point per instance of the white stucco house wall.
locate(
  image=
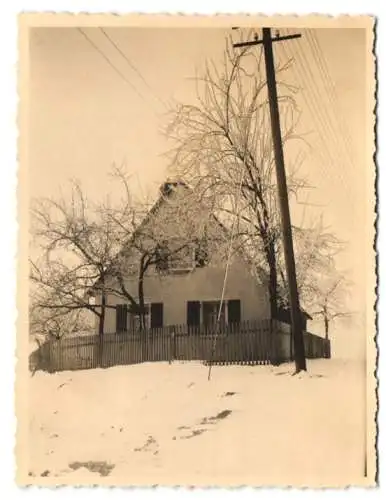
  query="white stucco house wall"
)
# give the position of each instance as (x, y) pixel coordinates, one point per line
(188, 291)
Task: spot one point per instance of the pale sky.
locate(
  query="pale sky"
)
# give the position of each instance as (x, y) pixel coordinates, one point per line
(84, 116)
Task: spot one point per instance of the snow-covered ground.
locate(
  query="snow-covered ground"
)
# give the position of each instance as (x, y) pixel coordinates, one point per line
(167, 424)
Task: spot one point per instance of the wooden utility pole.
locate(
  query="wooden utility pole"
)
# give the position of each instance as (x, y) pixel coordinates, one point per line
(296, 320)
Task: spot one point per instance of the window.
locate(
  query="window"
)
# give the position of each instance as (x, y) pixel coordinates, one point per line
(174, 256)
(207, 313)
(127, 319)
(211, 313)
(135, 319)
(183, 259)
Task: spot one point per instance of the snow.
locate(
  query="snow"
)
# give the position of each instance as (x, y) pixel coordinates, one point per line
(167, 424)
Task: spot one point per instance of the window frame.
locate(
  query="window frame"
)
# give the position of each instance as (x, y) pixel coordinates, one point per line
(133, 316)
(199, 256)
(217, 302)
(130, 316)
(181, 268)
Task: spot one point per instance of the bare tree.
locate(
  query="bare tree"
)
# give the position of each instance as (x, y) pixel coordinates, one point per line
(223, 147)
(316, 248)
(49, 323)
(331, 303)
(99, 250)
(78, 244)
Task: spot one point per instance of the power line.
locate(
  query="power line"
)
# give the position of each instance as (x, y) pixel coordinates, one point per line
(312, 106)
(336, 139)
(313, 101)
(131, 64)
(320, 114)
(323, 111)
(93, 44)
(330, 88)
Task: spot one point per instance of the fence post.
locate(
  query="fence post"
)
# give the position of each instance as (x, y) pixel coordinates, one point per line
(273, 342)
(174, 352)
(172, 346)
(47, 354)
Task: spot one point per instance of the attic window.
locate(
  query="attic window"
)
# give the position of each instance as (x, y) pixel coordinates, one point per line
(175, 256)
(183, 259)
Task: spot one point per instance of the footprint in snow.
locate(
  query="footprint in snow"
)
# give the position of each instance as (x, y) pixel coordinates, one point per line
(151, 445)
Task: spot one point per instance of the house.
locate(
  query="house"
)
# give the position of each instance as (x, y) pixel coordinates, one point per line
(185, 285)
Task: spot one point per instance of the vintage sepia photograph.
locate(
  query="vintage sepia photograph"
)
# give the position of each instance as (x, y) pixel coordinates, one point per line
(197, 273)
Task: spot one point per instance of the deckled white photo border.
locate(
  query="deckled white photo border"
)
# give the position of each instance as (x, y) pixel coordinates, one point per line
(8, 196)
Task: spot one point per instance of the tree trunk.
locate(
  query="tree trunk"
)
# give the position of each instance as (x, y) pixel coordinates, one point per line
(141, 300)
(272, 290)
(272, 287)
(101, 325)
(326, 327)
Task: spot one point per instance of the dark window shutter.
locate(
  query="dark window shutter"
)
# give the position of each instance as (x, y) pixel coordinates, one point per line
(162, 257)
(157, 315)
(193, 313)
(201, 253)
(234, 311)
(121, 318)
(207, 309)
(124, 317)
(118, 317)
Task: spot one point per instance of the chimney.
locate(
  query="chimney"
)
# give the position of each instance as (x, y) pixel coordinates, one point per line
(170, 185)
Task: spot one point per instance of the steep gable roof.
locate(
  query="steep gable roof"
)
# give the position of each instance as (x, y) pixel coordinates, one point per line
(165, 191)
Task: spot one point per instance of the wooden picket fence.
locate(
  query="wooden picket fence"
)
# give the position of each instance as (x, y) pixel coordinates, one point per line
(249, 342)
